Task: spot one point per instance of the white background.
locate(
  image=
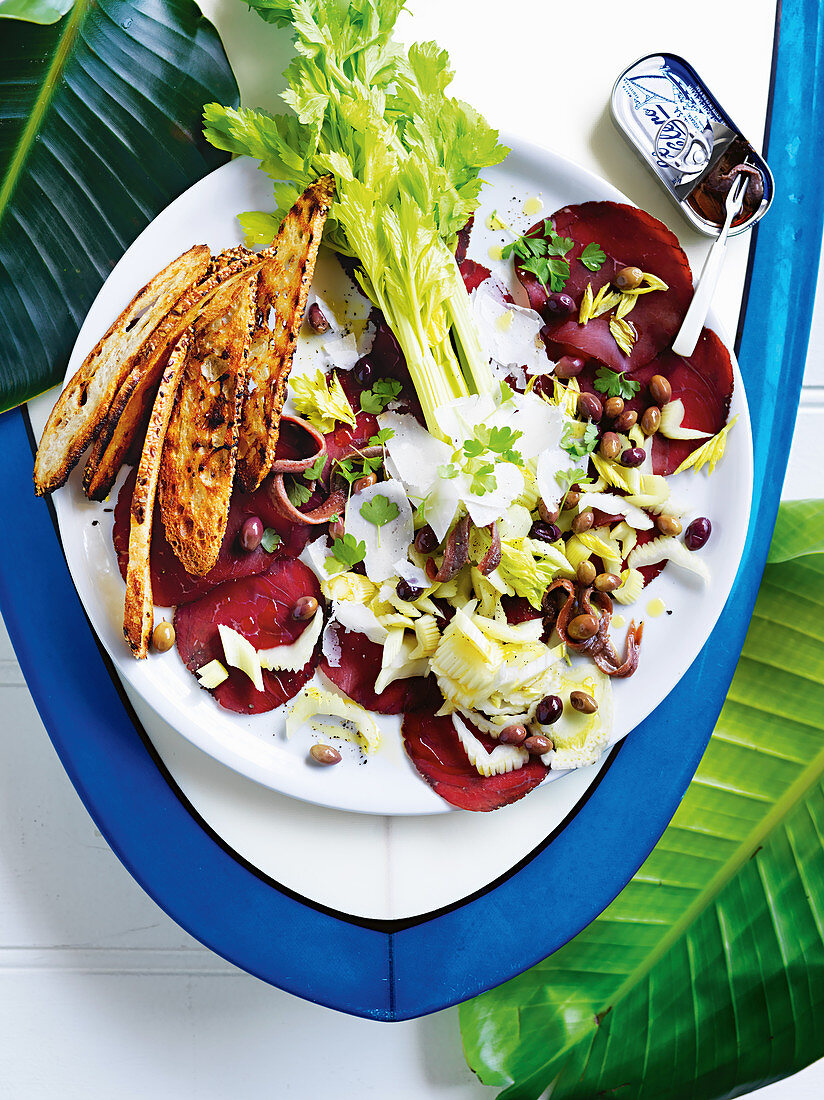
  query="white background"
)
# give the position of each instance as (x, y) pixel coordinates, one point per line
(101, 994)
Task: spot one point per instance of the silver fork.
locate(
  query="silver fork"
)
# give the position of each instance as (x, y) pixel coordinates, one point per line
(690, 330)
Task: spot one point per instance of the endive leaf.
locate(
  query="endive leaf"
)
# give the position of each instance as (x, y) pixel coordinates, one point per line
(99, 130)
(705, 977)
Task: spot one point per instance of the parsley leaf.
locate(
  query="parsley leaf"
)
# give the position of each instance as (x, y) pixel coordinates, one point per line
(379, 510)
(297, 492)
(544, 257)
(615, 385)
(448, 471)
(575, 476)
(358, 466)
(473, 448)
(375, 400)
(578, 446)
(483, 479)
(271, 540)
(381, 437)
(346, 552)
(313, 472)
(593, 256)
(500, 440)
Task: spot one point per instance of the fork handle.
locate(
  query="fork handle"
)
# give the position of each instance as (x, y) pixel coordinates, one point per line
(693, 323)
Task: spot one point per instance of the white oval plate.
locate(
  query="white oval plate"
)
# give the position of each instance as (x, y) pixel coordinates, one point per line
(256, 746)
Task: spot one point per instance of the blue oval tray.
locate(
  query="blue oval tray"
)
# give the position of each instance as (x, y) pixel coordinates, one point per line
(397, 970)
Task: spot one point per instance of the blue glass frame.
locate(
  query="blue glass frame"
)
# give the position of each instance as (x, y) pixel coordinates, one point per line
(394, 971)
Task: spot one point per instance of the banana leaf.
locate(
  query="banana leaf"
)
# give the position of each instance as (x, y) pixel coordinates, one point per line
(705, 977)
(100, 128)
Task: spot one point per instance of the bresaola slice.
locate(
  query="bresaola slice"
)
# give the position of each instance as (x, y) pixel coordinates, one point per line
(630, 238)
(432, 745)
(355, 675)
(704, 383)
(259, 608)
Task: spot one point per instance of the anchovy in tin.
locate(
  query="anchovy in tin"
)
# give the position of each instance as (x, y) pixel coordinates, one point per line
(683, 134)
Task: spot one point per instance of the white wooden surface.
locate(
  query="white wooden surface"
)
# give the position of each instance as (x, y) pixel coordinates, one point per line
(101, 994)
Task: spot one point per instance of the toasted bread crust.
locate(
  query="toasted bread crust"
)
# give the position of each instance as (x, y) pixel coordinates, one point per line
(78, 414)
(199, 454)
(285, 278)
(138, 616)
(132, 403)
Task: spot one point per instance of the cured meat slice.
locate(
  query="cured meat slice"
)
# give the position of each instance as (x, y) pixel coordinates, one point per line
(171, 584)
(259, 608)
(630, 238)
(360, 663)
(473, 274)
(704, 383)
(433, 747)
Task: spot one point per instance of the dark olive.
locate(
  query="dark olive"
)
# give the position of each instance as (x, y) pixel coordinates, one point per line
(407, 591)
(589, 406)
(668, 525)
(163, 637)
(568, 366)
(582, 627)
(626, 420)
(659, 389)
(571, 499)
(610, 446)
(316, 318)
(324, 754)
(557, 306)
(512, 735)
(251, 533)
(549, 710)
(583, 702)
(633, 456)
(547, 514)
(614, 406)
(697, 533)
(537, 745)
(364, 482)
(363, 371)
(628, 278)
(607, 582)
(586, 573)
(425, 540)
(583, 522)
(304, 608)
(544, 532)
(651, 420)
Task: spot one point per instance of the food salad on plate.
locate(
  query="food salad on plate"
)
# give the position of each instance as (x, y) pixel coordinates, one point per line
(436, 511)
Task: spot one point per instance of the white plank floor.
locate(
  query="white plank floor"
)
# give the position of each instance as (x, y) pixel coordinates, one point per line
(101, 994)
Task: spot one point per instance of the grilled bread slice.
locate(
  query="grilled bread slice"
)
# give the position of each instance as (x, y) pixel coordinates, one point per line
(76, 418)
(129, 412)
(138, 618)
(200, 450)
(283, 285)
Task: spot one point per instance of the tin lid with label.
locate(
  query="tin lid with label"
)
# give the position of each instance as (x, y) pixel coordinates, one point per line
(682, 133)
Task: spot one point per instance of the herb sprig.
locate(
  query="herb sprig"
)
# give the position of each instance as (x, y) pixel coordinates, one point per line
(612, 384)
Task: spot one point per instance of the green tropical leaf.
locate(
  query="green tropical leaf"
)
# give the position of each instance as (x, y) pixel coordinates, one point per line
(100, 128)
(34, 11)
(705, 977)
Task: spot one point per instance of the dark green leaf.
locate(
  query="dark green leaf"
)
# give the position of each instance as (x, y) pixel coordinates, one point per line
(297, 492)
(100, 128)
(271, 540)
(313, 472)
(593, 257)
(704, 977)
(346, 552)
(612, 384)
